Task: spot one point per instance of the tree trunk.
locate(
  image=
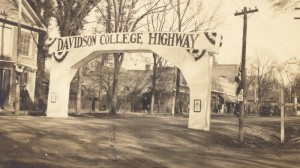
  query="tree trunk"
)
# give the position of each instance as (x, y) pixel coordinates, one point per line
(178, 72)
(118, 59)
(78, 97)
(39, 92)
(113, 108)
(153, 83)
(40, 73)
(101, 82)
(158, 103)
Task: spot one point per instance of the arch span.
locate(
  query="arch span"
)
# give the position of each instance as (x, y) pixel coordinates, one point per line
(191, 52)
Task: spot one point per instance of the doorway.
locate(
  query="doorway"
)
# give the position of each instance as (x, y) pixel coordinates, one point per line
(5, 76)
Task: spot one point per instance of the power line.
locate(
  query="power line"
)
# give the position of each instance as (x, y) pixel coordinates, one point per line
(235, 4)
(274, 35)
(251, 2)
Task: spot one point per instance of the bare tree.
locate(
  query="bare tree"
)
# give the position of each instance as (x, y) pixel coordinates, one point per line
(70, 17)
(156, 22)
(137, 81)
(99, 72)
(283, 5)
(289, 77)
(189, 15)
(251, 78)
(263, 71)
(122, 16)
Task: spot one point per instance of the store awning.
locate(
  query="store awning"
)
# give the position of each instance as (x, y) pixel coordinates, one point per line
(229, 98)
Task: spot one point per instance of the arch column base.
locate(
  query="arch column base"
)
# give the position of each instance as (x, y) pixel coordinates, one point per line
(199, 82)
(59, 89)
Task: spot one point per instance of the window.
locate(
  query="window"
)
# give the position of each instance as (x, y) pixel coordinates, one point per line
(5, 41)
(25, 44)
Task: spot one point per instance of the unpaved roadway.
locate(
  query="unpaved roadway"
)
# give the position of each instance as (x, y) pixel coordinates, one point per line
(135, 140)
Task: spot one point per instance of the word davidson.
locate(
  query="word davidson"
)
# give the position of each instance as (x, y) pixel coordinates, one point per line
(167, 39)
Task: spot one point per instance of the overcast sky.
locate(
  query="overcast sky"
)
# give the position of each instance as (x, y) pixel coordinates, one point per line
(276, 33)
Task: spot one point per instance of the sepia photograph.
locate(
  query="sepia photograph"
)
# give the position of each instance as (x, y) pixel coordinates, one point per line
(149, 83)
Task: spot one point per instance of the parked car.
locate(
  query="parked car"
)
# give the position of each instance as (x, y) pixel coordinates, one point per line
(269, 110)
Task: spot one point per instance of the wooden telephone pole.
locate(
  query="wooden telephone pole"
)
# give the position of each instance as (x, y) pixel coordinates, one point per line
(17, 91)
(245, 13)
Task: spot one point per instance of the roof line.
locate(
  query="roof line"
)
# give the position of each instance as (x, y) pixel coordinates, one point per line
(32, 12)
(23, 25)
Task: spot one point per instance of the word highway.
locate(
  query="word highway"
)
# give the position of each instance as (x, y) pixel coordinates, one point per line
(166, 39)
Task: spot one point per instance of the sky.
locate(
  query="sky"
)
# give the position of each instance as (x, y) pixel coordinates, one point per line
(276, 33)
(271, 32)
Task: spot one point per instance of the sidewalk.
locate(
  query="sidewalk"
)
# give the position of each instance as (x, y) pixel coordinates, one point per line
(4, 112)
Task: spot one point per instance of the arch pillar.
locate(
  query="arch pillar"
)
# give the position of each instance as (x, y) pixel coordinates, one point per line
(59, 89)
(199, 82)
(190, 52)
(198, 75)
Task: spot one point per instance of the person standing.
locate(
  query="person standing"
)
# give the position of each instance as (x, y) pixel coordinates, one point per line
(24, 95)
(180, 106)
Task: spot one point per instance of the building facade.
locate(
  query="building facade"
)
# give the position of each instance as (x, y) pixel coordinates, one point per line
(224, 87)
(13, 65)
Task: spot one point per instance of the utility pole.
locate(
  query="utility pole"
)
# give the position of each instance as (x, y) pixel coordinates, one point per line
(17, 75)
(244, 12)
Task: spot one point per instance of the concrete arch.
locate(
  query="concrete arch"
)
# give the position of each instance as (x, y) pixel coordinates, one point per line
(191, 52)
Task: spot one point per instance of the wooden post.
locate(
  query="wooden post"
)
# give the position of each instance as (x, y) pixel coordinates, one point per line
(78, 95)
(244, 12)
(295, 105)
(282, 117)
(17, 76)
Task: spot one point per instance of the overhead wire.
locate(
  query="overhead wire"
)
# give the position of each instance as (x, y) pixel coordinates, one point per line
(274, 35)
(266, 24)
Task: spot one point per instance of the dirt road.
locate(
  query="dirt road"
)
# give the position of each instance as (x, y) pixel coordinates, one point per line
(135, 140)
